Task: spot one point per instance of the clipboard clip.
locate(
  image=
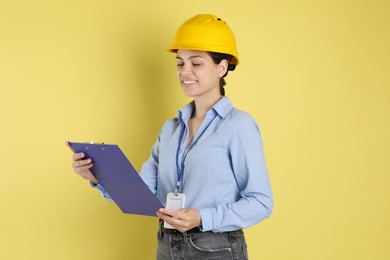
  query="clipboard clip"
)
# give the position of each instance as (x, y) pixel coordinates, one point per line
(86, 145)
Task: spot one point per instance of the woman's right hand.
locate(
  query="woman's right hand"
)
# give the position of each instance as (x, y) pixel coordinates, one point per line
(81, 166)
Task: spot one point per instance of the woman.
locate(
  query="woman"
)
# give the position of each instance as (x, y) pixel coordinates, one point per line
(211, 153)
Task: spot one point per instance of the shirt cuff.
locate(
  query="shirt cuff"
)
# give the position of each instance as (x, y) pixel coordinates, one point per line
(207, 219)
(93, 185)
(102, 191)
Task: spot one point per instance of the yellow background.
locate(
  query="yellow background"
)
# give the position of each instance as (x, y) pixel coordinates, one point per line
(314, 74)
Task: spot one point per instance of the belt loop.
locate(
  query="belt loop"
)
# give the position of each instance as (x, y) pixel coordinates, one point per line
(160, 234)
(186, 237)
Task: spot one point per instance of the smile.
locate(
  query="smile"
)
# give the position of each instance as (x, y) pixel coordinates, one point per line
(188, 82)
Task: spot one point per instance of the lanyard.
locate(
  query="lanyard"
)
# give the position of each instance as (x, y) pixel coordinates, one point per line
(180, 168)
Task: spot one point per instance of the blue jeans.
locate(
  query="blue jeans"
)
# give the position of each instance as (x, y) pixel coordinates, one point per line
(201, 245)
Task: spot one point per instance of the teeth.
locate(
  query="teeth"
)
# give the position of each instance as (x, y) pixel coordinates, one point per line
(189, 81)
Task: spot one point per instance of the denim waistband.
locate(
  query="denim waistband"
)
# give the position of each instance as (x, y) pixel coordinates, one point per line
(170, 231)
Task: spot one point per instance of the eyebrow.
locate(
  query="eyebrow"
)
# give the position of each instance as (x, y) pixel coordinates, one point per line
(190, 58)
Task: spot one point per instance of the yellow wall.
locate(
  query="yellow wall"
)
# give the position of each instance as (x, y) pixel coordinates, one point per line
(314, 74)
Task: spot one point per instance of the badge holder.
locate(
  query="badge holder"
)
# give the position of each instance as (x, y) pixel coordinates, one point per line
(175, 201)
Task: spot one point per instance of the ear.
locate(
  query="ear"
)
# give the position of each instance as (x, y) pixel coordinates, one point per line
(223, 67)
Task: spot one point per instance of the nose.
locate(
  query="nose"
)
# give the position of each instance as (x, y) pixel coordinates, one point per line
(186, 69)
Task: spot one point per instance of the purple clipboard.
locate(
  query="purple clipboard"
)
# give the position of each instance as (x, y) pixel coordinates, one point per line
(119, 178)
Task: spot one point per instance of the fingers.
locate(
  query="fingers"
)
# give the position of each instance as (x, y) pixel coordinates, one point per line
(77, 162)
(82, 166)
(78, 156)
(79, 165)
(173, 221)
(168, 212)
(182, 220)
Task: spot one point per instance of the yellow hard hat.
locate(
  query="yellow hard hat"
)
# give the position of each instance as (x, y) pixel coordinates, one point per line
(206, 32)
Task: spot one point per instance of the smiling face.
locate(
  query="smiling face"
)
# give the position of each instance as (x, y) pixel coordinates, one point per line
(198, 74)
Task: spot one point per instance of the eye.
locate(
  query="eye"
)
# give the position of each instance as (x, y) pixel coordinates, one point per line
(196, 64)
(180, 65)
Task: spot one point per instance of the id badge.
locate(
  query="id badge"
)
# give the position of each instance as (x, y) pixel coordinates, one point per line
(175, 202)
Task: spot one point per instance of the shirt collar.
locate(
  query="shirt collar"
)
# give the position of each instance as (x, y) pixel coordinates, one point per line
(222, 108)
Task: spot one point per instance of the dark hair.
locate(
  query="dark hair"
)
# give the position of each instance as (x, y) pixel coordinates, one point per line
(217, 58)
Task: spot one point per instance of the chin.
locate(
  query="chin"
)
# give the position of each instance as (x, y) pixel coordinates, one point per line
(189, 92)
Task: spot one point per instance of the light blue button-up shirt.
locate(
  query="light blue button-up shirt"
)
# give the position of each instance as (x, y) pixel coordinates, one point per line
(225, 174)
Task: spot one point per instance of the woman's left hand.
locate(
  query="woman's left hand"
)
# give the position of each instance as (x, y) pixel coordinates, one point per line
(182, 219)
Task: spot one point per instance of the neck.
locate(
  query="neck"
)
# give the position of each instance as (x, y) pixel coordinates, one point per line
(204, 105)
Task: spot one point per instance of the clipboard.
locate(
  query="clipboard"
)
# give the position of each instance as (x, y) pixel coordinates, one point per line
(119, 178)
